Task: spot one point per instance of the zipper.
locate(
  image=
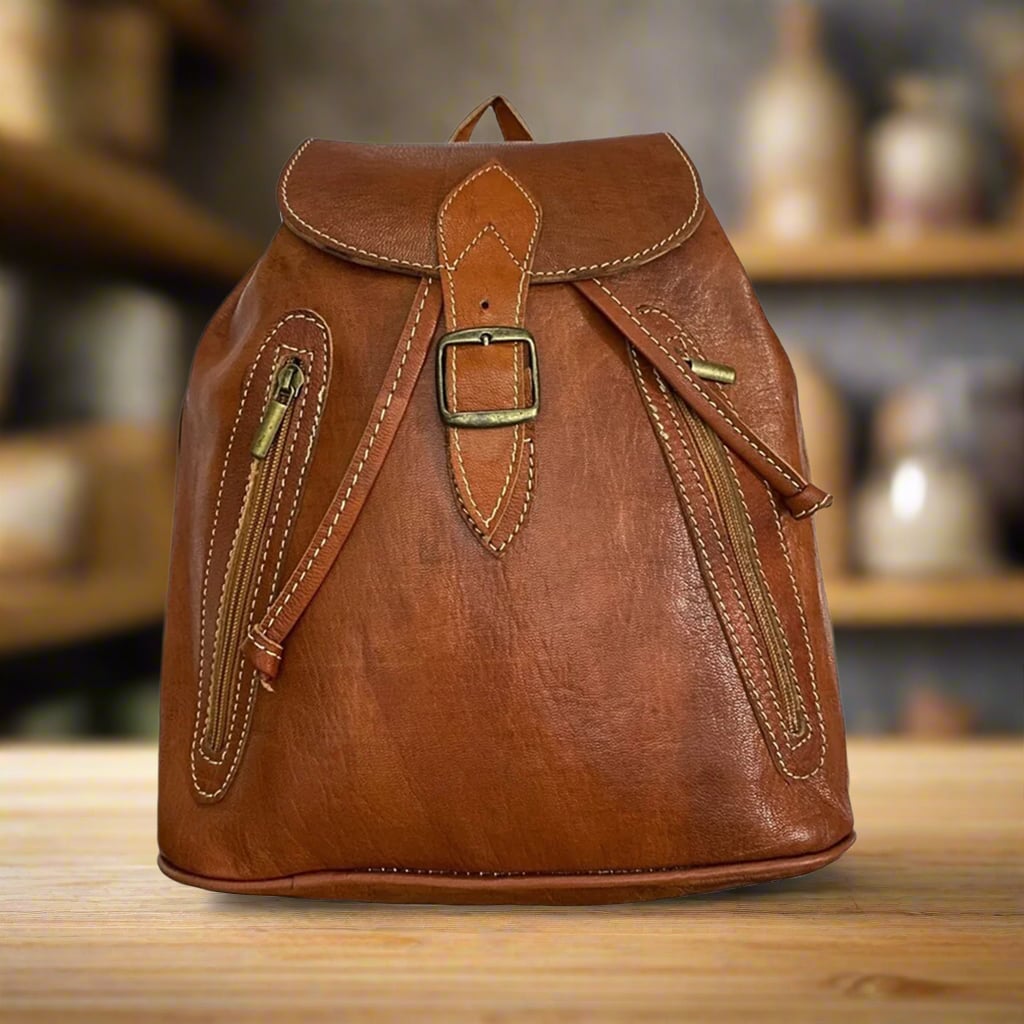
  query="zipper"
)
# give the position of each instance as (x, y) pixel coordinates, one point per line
(241, 577)
(726, 489)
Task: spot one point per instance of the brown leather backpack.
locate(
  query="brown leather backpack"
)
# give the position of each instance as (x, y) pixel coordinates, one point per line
(541, 624)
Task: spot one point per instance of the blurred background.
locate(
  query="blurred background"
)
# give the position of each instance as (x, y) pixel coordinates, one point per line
(867, 157)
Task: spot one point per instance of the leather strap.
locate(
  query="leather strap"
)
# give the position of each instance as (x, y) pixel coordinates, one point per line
(487, 232)
(801, 497)
(265, 646)
(513, 127)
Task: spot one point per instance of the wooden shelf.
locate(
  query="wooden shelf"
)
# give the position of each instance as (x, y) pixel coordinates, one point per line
(895, 603)
(78, 207)
(204, 26)
(870, 257)
(122, 580)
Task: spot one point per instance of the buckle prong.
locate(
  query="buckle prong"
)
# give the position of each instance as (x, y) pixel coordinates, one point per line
(488, 417)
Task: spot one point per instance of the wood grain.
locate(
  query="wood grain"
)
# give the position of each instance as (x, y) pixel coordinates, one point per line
(867, 256)
(857, 602)
(920, 922)
(74, 207)
(121, 581)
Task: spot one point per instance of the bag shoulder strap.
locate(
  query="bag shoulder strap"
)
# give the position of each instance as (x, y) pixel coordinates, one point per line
(264, 647)
(801, 497)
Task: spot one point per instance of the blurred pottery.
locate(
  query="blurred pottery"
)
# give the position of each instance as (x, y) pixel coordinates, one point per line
(924, 165)
(1001, 36)
(118, 75)
(10, 304)
(930, 714)
(802, 132)
(826, 424)
(44, 489)
(923, 509)
(975, 411)
(30, 68)
(112, 354)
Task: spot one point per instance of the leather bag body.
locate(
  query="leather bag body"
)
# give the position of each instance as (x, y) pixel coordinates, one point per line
(493, 568)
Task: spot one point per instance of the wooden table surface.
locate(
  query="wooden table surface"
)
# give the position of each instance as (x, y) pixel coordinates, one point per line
(921, 921)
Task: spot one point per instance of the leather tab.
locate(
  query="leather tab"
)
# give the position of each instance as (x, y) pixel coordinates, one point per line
(487, 233)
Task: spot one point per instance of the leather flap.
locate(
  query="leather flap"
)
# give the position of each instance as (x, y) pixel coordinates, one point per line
(609, 204)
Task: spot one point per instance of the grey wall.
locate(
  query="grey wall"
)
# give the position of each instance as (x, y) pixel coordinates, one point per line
(396, 70)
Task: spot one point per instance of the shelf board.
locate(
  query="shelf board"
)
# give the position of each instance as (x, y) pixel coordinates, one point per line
(865, 256)
(205, 26)
(896, 603)
(73, 206)
(122, 581)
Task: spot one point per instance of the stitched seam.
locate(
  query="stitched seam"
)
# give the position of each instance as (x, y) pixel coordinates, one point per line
(692, 347)
(261, 647)
(273, 522)
(321, 327)
(694, 350)
(253, 632)
(706, 561)
(456, 873)
(759, 568)
(683, 334)
(741, 603)
(220, 495)
(814, 508)
(803, 619)
(485, 230)
(518, 432)
(498, 549)
(330, 238)
(651, 248)
(253, 687)
(639, 254)
(746, 617)
(693, 381)
(279, 608)
(237, 693)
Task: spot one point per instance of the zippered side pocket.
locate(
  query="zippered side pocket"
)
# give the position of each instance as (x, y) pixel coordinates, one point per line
(742, 565)
(267, 455)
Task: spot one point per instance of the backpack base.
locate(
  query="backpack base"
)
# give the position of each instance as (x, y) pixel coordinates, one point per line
(406, 885)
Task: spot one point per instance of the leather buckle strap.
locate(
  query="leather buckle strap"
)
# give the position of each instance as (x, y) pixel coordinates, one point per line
(488, 417)
(487, 230)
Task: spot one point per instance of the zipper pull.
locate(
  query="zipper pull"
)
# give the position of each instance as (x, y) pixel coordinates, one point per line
(287, 385)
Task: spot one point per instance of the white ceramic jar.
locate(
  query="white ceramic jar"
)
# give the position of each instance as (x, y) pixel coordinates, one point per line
(923, 160)
(801, 137)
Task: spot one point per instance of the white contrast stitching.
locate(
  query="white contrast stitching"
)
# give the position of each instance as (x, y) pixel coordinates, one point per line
(752, 632)
(237, 692)
(759, 568)
(693, 381)
(640, 254)
(814, 508)
(705, 559)
(322, 328)
(499, 548)
(220, 489)
(516, 434)
(693, 349)
(519, 432)
(279, 608)
(330, 238)
(487, 229)
(773, 501)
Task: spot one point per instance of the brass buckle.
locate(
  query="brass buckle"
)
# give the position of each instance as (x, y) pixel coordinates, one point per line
(488, 417)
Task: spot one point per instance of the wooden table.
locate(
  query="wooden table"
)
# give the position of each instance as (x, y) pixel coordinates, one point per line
(922, 921)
